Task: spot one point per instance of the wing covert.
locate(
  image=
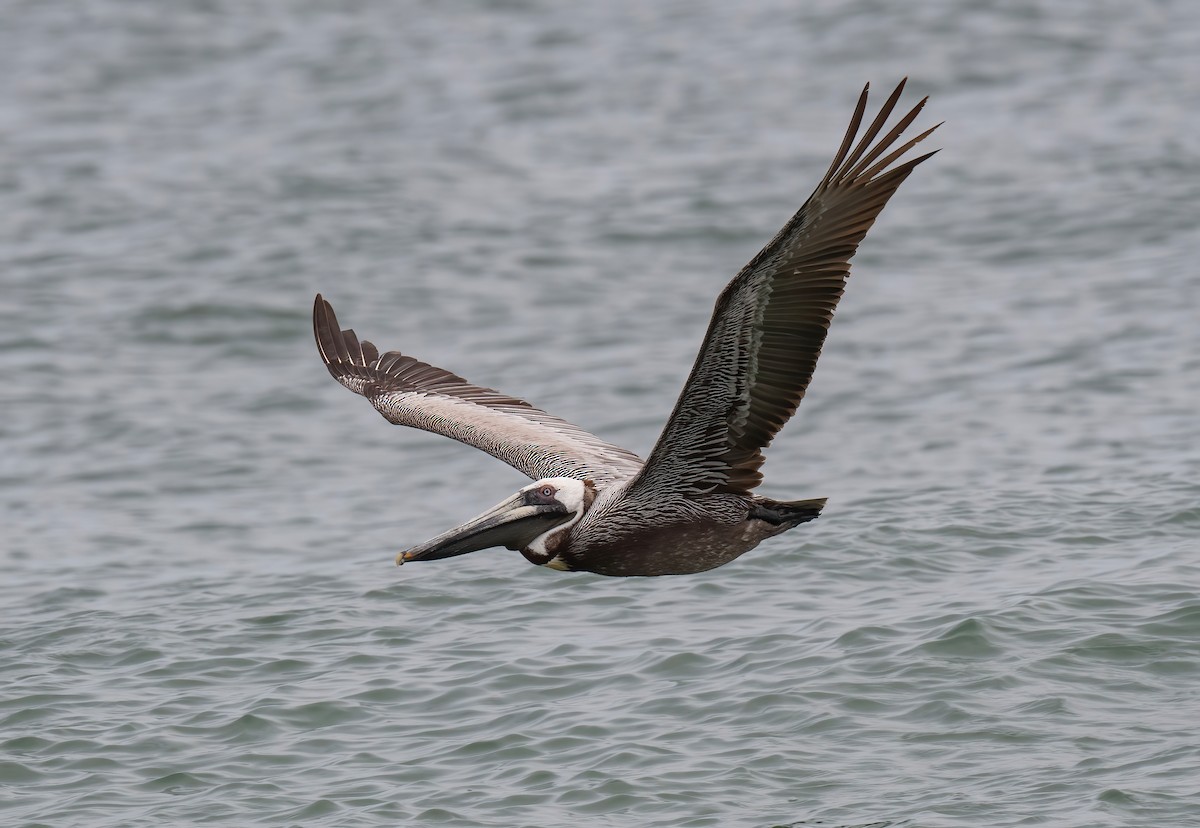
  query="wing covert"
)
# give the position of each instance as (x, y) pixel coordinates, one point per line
(409, 392)
(770, 322)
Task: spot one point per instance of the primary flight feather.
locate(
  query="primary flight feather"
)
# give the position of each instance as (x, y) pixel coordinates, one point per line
(690, 505)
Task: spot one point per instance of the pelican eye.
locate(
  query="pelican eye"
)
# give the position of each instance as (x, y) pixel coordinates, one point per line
(541, 496)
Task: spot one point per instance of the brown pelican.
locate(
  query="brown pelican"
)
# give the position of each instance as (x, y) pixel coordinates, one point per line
(690, 505)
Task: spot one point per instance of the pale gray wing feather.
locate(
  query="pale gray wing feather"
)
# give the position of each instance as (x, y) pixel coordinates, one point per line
(770, 322)
(409, 392)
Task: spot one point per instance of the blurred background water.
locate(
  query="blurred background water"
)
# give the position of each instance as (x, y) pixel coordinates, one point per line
(995, 623)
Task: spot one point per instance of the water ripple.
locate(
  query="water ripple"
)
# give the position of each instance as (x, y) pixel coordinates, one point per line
(995, 622)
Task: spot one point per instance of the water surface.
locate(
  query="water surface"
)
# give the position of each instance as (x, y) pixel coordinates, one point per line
(995, 622)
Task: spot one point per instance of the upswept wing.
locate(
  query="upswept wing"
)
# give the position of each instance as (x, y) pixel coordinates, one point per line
(771, 320)
(409, 392)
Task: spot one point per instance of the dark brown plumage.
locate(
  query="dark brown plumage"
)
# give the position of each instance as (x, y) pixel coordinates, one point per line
(689, 507)
(770, 322)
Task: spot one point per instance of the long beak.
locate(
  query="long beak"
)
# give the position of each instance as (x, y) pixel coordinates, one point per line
(512, 524)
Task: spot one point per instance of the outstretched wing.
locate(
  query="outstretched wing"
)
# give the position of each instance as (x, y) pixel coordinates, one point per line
(413, 393)
(770, 322)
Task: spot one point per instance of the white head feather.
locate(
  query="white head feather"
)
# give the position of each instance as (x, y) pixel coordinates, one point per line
(568, 491)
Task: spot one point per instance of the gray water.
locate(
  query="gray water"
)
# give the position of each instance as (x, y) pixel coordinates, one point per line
(996, 622)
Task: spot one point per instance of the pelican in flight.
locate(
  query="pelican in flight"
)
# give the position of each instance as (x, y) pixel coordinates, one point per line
(690, 506)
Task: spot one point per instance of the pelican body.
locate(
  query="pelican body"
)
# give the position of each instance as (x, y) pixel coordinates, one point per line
(689, 506)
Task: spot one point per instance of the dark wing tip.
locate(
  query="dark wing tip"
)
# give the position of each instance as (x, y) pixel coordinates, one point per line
(811, 260)
(340, 350)
(862, 162)
(360, 367)
(322, 313)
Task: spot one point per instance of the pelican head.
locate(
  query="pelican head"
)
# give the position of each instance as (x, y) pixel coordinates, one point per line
(525, 521)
